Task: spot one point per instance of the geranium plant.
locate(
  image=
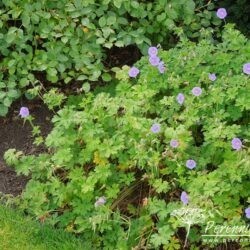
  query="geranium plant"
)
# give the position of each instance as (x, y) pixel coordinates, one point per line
(119, 164)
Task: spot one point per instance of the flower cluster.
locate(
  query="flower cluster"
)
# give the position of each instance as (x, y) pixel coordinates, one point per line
(196, 91)
(155, 60)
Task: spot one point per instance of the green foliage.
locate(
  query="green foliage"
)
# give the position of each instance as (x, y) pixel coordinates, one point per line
(52, 98)
(102, 145)
(64, 41)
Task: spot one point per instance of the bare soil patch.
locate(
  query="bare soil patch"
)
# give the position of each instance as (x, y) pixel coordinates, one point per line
(14, 133)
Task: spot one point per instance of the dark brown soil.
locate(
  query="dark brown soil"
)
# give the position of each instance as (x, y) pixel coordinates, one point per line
(117, 57)
(14, 133)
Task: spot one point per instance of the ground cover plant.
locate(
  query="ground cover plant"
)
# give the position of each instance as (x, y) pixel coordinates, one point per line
(49, 43)
(21, 232)
(173, 134)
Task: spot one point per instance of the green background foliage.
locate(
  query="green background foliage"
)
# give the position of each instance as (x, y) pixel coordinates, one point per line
(57, 42)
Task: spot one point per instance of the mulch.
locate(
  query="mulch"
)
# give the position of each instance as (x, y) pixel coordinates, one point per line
(14, 133)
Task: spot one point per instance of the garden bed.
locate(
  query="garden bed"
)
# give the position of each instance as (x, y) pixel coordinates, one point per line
(147, 146)
(15, 133)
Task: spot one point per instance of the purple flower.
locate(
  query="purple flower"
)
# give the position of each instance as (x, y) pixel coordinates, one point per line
(180, 98)
(156, 127)
(236, 143)
(24, 112)
(212, 77)
(184, 198)
(221, 13)
(161, 67)
(100, 201)
(246, 68)
(152, 51)
(247, 212)
(190, 164)
(197, 91)
(154, 60)
(174, 143)
(133, 72)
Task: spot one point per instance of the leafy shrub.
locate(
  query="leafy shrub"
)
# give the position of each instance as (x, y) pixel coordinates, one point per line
(112, 172)
(64, 41)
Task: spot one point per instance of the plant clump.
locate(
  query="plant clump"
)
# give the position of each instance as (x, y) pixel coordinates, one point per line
(172, 139)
